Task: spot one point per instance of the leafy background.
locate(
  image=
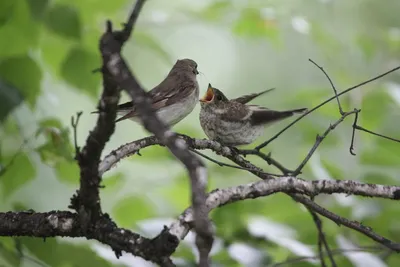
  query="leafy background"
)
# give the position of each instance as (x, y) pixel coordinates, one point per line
(48, 50)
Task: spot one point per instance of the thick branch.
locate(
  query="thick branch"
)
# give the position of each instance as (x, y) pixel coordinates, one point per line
(320, 186)
(133, 147)
(87, 201)
(64, 223)
(292, 185)
(119, 70)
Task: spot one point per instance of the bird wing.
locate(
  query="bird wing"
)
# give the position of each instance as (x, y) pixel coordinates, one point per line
(234, 112)
(247, 98)
(164, 94)
(261, 115)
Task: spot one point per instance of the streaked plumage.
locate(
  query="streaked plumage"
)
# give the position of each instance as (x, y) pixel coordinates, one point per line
(174, 98)
(232, 122)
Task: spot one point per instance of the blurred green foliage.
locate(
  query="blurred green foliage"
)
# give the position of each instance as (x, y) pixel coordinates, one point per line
(48, 50)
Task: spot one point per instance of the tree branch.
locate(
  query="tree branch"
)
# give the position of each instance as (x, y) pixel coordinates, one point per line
(110, 47)
(267, 158)
(292, 185)
(320, 186)
(64, 223)
(56, 223)
(322, 241)
(332, 85)
(322, 104)
(290, 262)
(319, 140)
(133, 147)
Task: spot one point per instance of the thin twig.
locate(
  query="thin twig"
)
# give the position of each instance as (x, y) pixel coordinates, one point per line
(21, 255)
(322, 240)
(334, 252)
(353, 134)
(333, 86)
(267, 157)
(360, 128)
(322, 104)
(350, 224)
(4, 169)
(319, 140)
(222, 164)
(74, 124)
(376, 134)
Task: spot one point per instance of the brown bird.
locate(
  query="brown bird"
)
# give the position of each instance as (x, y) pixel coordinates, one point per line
(173, 99)
(232, 122)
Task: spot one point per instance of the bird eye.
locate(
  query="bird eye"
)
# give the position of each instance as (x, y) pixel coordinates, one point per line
(219, 97)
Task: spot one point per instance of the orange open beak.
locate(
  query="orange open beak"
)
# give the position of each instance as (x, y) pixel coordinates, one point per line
(209, 96)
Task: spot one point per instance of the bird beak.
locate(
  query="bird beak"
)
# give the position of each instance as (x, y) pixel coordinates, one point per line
(209, 96)
(196, 71)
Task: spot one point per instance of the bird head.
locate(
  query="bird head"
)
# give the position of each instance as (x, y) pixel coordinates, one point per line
(213, 96)
(186, 64)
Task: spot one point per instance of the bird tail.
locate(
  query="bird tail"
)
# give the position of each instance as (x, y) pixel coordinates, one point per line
(247, 98)
(298, 111)
(266, 116)
(126, 115)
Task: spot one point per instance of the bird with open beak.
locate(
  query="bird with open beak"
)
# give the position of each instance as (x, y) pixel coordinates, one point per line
(173, 99)
(233, 122)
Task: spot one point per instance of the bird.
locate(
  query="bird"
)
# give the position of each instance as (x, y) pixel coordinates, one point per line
(173, 99)
(234, 122)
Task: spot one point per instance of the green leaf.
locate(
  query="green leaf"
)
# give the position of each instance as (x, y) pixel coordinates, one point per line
(19, 206)
(54, 51)
(17, 28)
(185, 252)
(57, 147)
(11, 127)
(251, 24)
(310, 130)
(77, 70)
(333, 170)
(11, 98)
(6, 11)
(50, 122)
(388, 154)
(374, 177)
(11, 70)
(55, 253)
(224, 258)
(64, 20)
(178, 194)
(8, 253)
(113, 183)
(130, 210)
(89, 11)
(375, 108)
(234, 218)
(68, 171)
(17, 174)
(38, 8)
